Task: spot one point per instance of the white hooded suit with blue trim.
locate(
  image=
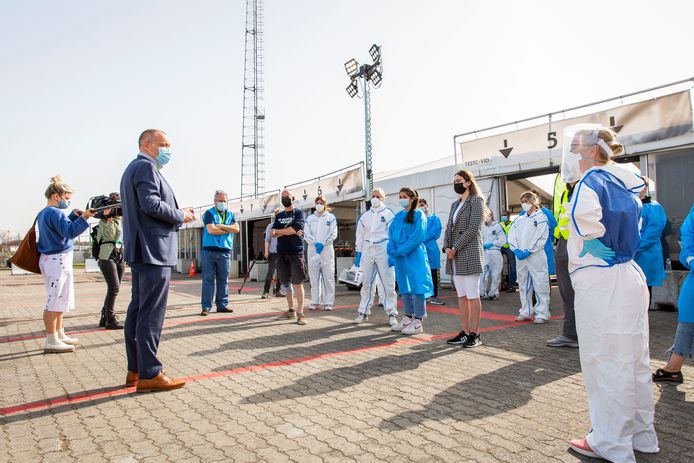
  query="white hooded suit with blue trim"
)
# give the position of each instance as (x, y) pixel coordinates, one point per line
(529, 233)
(612, 313)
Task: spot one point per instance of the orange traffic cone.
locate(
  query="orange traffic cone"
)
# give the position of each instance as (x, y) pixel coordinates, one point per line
(191, 273)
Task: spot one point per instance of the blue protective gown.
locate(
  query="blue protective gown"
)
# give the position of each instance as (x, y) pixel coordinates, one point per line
(686, 299)
(406, 248)
(649, 255)
(430, 241)
(549, 244)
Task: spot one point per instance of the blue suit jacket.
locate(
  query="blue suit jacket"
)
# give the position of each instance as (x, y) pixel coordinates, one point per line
(151, 217)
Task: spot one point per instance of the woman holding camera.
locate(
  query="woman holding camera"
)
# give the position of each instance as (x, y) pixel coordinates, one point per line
(111, 263)
(57, 232)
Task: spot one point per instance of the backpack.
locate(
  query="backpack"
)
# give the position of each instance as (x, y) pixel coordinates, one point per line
(96, 244)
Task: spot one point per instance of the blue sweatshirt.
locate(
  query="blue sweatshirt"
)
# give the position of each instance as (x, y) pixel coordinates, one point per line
(57, 232)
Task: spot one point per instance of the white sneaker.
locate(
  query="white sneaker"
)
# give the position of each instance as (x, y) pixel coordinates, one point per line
(404, 321)
(392, 320)
(361, 318)
(67, 339)
(328, 308)
(413, 328)
(56, 346)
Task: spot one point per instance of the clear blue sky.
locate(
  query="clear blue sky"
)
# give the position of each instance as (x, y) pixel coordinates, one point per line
(81, 79)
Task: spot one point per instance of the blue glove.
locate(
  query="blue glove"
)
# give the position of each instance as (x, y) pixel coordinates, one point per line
(319, 247)
(391, 261)
(520, 255)
(357, 260)
(598, 249)
(488, 245)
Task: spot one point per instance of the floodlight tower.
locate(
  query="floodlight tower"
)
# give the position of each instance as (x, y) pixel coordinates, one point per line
(252, 135)
(368, 74)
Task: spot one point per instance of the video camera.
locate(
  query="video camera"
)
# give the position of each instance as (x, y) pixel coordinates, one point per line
(102, 203)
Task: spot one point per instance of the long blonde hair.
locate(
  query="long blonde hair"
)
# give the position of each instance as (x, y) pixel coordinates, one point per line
(57, 187)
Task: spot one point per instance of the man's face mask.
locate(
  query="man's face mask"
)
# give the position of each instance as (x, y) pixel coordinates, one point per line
(286, 201)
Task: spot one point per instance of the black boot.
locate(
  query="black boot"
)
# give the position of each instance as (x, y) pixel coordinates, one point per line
(112, 322)
(102, 320)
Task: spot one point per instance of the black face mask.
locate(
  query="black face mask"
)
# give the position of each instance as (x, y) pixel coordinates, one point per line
(286, 201)
(459, 188)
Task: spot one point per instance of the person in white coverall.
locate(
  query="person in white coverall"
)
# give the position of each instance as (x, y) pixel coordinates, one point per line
(319, 233)
(526, 238)
(611, 296)
(372, 258)
(493, 238)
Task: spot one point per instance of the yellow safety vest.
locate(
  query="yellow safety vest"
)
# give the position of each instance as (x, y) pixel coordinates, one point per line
(506, 228)
(561, 197)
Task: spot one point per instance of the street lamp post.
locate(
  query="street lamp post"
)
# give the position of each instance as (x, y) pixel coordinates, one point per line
(370, 74)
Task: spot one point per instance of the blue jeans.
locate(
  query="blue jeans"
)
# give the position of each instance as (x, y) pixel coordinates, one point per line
(511, 259)
(215, 267)
(414, 303)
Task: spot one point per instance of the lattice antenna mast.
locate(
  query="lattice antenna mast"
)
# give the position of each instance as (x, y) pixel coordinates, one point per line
(253, 136)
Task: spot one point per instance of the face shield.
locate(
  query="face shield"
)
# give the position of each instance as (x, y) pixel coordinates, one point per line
(579, 139)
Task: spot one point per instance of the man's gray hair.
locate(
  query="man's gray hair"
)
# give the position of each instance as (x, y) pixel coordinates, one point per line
(147, 136)
(220, 192)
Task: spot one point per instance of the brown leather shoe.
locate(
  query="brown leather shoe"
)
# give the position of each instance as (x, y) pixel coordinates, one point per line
(161, 382)
(131, 379)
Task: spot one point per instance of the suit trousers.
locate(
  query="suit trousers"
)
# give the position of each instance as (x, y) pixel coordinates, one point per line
(566, 289)
(145, 318)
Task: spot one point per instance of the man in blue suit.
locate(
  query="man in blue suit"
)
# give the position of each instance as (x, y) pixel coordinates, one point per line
(151, 219)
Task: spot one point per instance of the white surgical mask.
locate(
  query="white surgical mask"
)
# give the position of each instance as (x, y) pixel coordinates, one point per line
(320, 208)
(375, 203)
(526, 207)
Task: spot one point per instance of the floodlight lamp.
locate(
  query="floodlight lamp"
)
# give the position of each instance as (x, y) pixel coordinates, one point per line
(376, 78)
(375, 52)
(352, 89)
(351, 66)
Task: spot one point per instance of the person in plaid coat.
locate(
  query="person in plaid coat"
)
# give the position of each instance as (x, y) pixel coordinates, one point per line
(464, 255)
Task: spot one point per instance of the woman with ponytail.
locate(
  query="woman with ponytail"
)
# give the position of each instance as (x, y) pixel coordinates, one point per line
(57, 232)
(407, 253)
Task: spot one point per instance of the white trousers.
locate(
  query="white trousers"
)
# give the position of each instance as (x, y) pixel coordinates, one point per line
(323, 278)
(612, 326)
(374, 264)
(491, 273)
(57, 277)
(533, 279)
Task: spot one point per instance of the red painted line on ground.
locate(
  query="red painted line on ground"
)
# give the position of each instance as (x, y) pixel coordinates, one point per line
(119, 391)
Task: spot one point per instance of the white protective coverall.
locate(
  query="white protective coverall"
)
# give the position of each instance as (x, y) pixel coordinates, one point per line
(372, 241)
(529, 233)
(493, 262)
(321, 229)
(612, 313)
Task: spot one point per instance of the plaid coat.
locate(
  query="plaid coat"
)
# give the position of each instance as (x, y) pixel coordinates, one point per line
(464, 234)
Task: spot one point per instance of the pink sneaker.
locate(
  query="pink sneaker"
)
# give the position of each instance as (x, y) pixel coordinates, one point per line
(581, 446)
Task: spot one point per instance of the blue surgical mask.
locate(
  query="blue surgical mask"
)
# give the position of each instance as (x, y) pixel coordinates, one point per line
(404, 202)
(423, 209)
(504, 218)
(221, 206)
(63, 204)
(164, 155)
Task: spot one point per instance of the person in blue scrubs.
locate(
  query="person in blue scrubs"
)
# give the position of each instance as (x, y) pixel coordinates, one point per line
(649, 256)
(431, 243)
(408, 255)
(684, 337)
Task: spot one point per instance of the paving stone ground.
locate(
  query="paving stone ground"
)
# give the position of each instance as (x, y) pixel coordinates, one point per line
(263, 389)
